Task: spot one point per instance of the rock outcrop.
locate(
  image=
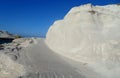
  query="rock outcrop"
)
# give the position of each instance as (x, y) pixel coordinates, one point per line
(87, 34)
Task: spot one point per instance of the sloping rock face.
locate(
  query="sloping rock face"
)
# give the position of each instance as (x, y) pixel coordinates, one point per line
(9, 68)
(88, 34)
(10, 55)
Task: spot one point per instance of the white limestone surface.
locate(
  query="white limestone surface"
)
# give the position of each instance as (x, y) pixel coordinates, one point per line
(89, 34)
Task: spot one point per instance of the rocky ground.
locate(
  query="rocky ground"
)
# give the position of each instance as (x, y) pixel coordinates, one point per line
(32, 58)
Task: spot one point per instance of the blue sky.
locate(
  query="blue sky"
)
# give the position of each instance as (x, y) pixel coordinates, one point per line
(34, 17)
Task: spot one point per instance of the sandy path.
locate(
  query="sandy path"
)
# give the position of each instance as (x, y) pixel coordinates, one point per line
(46, 63)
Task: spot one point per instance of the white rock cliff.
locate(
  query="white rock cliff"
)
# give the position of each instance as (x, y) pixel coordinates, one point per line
(88, 34)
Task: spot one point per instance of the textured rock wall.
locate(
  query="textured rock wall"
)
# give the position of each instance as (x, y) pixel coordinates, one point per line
(88, 34)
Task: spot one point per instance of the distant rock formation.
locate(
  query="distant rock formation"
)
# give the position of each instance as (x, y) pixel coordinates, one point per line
(5, 34)
(6, 37)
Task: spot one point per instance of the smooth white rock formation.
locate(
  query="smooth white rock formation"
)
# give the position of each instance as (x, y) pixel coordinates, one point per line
(89, 34)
